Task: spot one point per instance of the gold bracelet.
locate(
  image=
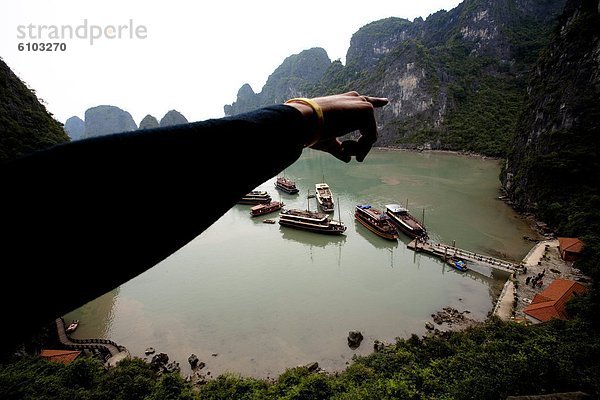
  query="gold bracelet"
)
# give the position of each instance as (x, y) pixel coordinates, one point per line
(318, 112)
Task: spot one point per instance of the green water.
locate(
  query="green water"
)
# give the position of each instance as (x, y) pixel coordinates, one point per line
(265, 298)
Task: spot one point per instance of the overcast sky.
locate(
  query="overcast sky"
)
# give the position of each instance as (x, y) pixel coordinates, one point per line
(191, 56)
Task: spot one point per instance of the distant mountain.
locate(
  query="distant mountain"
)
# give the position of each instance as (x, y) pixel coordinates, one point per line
(25, 124)
(104, 120)
(456, 80)
(148, 122)
(295, 77)
(75, 128)
(173, 117)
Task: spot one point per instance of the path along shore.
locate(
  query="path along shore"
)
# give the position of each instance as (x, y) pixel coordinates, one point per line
(516, 295)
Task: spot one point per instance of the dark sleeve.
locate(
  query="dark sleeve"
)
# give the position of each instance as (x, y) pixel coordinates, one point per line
(83, 218)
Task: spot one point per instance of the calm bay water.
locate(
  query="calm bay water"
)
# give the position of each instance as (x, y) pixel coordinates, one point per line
(265, 298)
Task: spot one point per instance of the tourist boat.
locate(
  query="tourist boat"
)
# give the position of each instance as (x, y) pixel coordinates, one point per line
(324, 198)
(286, 185)
(375, 221)
(262, 209)
(311, 221)
(457, 263)
(255, 197)
(72, 326)
(269, 221)
(405, 222)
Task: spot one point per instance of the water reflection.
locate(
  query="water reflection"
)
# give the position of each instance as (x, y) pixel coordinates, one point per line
(373, 239)
(96, 317)
(311, 239)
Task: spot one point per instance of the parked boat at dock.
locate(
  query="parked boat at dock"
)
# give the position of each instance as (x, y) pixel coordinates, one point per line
(457, 263)
(405, 222)
(311, 221)
(255, 197)
(376, 221)
(262, 209)
(324, 197)
(286, 185)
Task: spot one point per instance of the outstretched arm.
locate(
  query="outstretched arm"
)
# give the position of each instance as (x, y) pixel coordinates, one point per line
(83, 218)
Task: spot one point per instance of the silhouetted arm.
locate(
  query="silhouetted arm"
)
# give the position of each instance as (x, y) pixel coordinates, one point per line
(83, 218)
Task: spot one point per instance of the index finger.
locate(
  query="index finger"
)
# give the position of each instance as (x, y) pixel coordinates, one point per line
(377, 101)
(368, 134)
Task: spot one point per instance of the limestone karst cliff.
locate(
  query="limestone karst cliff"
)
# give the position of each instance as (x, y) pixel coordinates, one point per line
(455, 80)
(25, 124)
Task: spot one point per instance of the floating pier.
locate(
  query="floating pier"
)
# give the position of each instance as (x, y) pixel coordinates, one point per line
(444, 251)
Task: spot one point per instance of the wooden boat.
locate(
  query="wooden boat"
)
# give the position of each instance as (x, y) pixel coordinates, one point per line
(311, 221)
(376, 221)
(457, 263)
(72, 326)
(255, 197)
(286, 185)
(324, 197)
(262, 209)
(405, 222)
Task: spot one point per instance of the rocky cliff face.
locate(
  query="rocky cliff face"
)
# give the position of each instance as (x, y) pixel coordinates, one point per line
(553, 167)
(148, 122)
(104, 120)
(295, 77)
(173, 117)
(454, 80)
(25, 124)
(75, 128)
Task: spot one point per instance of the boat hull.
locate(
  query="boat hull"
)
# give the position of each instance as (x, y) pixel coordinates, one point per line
(326, 230)
(405, 229)
(286, 189)
(375, 230)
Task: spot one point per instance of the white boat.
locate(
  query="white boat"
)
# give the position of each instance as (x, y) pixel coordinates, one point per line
(324, 197)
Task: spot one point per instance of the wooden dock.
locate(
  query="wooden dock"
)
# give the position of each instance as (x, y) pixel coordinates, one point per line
(443, 251)
(107, 347)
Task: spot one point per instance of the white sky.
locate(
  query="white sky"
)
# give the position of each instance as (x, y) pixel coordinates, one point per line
(196, 55)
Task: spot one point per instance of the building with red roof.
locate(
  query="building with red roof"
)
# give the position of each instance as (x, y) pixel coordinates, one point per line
(61, 356)
(550, 303)
(569, 248)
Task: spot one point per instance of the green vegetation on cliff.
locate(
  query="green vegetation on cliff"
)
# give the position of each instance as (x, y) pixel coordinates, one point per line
(25, 125)
(489, 361)
(553, 167)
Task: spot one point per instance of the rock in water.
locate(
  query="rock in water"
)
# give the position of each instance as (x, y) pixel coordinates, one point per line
(159, 361)
(312, 367)
(149, 122)
(104, 120)
(354, 339)
(378, 346)
(193, 360)
(173, 117)
(75, 128)
(150, 350)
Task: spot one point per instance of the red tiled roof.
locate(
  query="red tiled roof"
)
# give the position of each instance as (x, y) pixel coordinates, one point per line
(573, 245)
(551, 302)
(61, 356)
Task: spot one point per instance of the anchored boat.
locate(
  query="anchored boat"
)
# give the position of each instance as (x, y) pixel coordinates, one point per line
(324, 197)
(262, 209)
(255, 197)
(311, 221)
(457, 263)
(405, 222)
(286, 185)
(375, 221)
